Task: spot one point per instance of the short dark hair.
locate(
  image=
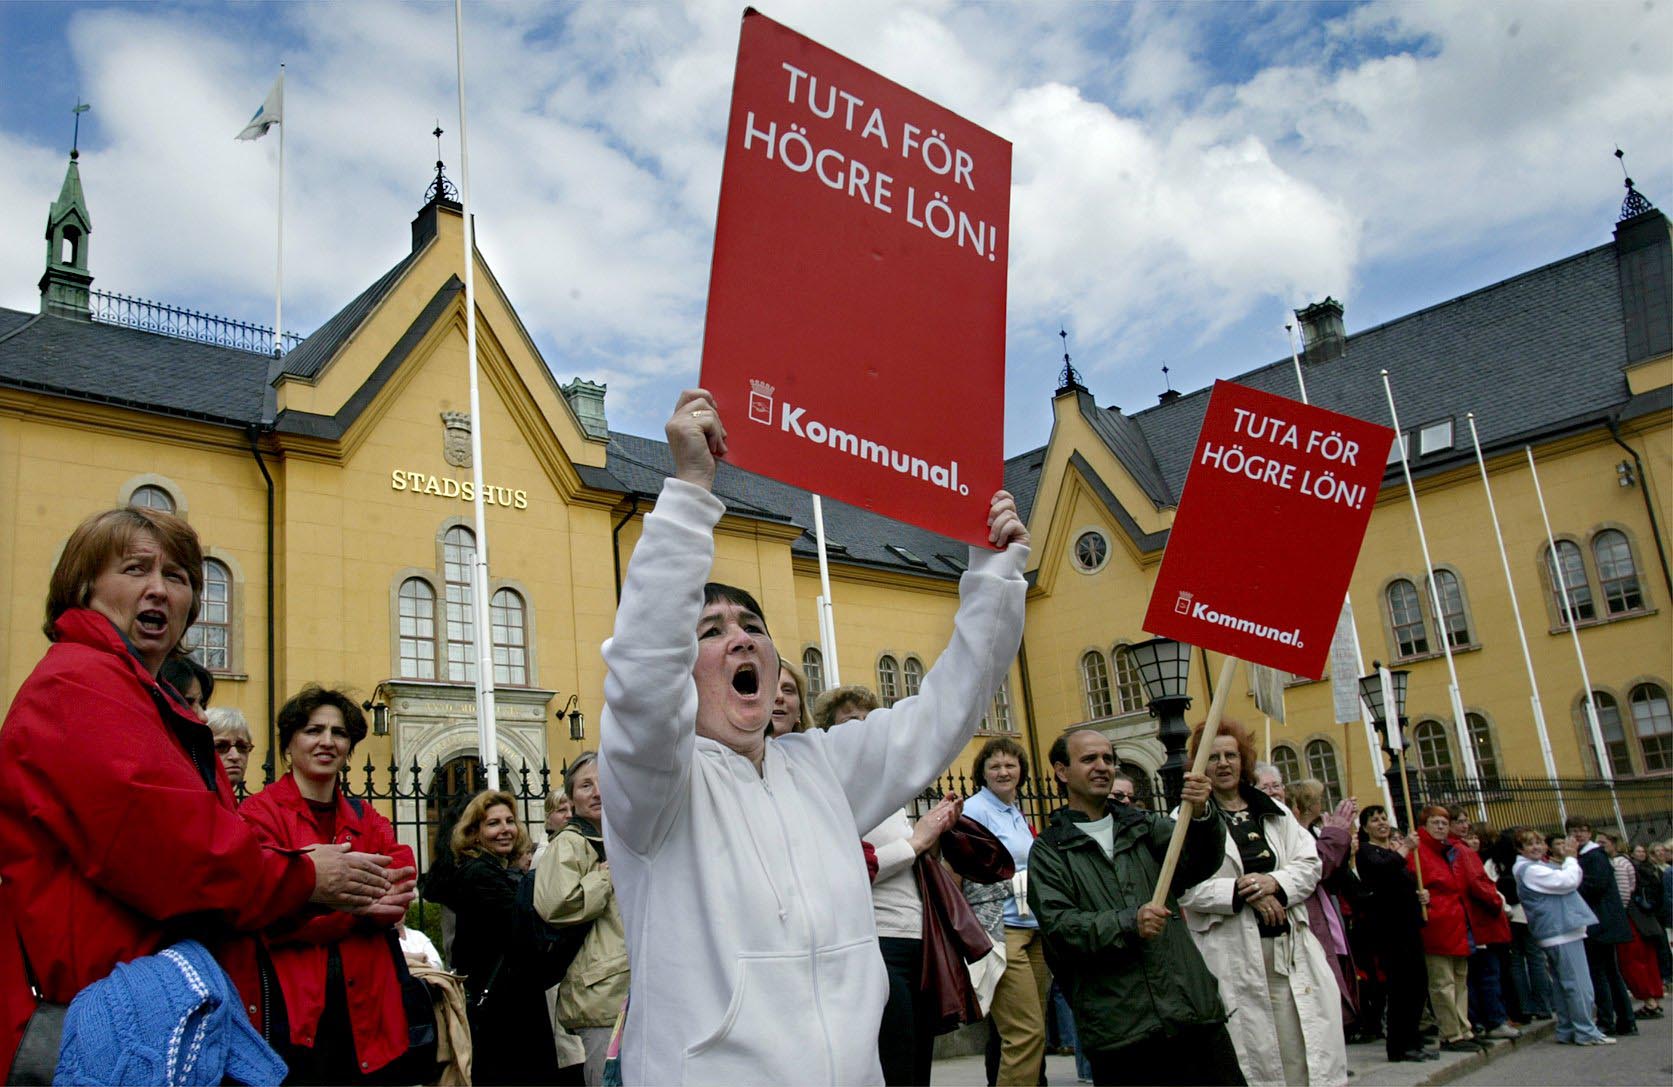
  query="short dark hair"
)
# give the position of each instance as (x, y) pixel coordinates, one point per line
(999, 745)
(715, 592)
(1456, 812)
(1577, 822)
(301, 706)
(178, 672)
(826, 705)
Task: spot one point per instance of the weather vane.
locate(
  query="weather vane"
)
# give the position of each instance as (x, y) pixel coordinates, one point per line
(440, 188)
(1070, 377)
(75, 144)
(1165, 379)
(1635, 202)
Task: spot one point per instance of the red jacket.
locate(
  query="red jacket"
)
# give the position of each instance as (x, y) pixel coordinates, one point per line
(118, 834)
(301, 943)
(1445, 932)
(1483, 904)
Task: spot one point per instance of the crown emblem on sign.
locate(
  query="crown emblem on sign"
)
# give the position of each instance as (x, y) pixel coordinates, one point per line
(761, 402)
(761, 387)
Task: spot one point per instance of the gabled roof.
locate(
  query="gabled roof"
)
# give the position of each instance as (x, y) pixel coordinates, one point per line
(313, 353)
(109, 364)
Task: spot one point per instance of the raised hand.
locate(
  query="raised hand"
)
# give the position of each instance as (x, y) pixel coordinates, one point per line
(695, 438)
(1005, 527)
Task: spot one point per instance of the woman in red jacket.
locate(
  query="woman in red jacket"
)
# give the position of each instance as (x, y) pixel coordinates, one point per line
(1446, 934)
(337, 972)
(118, 834)
(1484, 909)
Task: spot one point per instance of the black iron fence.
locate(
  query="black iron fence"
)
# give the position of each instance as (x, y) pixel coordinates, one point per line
(1646, 804)
(185, 324)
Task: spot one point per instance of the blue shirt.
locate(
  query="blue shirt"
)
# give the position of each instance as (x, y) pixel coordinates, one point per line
(1009, 826)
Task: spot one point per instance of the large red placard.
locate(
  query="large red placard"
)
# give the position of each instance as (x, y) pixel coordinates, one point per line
(855, 338)
(1269, 527)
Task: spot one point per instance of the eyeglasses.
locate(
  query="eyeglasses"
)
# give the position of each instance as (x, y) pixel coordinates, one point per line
(223, 747)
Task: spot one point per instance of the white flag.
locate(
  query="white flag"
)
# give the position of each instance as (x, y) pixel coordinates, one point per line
(1390, 710)
(271, 112)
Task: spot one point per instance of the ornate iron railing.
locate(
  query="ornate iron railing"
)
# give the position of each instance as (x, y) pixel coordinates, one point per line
(129, 312)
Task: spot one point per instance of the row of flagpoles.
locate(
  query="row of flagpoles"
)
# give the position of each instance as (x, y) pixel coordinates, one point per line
(271, 114)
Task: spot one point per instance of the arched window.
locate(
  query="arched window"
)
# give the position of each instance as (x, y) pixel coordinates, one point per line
(152, 497)
(1287, 762)
(888, 680)
(1321, 763)
(211, 636)
(998, 717)
(1129, 688)
(458, 570)
(1574, 578)
(1411, 636)
(417, 618)
(1095, 681)
(1616, 573)
(912, 675)
(1452, 618)
(1481, 743)
(813, 667)
(1653, 722)
(1434, 753)
(1614, 732)
(511, 638)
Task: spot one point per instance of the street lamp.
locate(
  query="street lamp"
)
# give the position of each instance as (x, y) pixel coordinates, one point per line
(1371, 689)
(577, 719)
(378, 707)
(1165, 667)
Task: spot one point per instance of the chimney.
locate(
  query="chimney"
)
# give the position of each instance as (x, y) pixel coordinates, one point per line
(1321, 331)
(586, 399)
(1168, 397)
(1644, 255)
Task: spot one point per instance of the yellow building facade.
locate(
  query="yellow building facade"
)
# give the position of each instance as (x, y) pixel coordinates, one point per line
(331, 489)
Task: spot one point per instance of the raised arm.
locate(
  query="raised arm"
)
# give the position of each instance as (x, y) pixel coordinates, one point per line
(648, 732)
(889, 756)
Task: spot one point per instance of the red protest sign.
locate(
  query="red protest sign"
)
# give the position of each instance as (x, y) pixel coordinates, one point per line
(1274, 511)
(855, 337)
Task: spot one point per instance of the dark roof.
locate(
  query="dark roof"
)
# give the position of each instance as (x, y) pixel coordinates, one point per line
(1022, 479)
(110, 364)
(863, 537)
(1533, 355)
(312, 354)
(1127, 442)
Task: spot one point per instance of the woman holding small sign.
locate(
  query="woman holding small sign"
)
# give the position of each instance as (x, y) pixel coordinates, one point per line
(1250, 922)
(747, 907)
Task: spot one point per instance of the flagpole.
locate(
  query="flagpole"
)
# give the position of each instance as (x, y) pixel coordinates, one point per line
(1460, 725)
(1521, 632)
(827, 618)
(279, 248)
(487, 737)
(1604, 769)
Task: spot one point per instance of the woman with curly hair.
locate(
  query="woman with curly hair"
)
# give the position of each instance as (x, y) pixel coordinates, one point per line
(1250, 922)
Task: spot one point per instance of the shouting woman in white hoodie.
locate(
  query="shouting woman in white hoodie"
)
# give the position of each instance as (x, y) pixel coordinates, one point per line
(741, 885)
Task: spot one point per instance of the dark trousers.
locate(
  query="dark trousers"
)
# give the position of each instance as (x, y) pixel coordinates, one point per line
(905, 1038)
(1196, 1055)
(1487, 1007)
(1609, 989)
(1407, 989)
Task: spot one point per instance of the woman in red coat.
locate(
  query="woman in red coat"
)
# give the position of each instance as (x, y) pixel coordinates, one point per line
(337, 971)
(118, 834)
(1484, 909)
(1446, 934)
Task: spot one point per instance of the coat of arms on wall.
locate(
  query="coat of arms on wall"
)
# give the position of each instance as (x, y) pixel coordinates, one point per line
(456, 438)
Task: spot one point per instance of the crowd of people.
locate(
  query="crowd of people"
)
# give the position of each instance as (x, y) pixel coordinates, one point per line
(733, 889)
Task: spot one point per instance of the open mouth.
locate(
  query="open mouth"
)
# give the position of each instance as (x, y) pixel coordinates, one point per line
(152, 622)
(745, 680)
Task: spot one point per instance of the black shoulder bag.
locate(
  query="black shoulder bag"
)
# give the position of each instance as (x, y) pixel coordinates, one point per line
(36, 1058)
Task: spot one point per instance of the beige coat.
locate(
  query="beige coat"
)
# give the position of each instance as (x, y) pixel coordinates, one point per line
(572, 886)
(453, 1029)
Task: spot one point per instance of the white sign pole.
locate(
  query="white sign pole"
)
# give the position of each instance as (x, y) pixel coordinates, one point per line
(1521, 631)
(1460, 725)
(827, 616)
(1604, 769)
(487, 737)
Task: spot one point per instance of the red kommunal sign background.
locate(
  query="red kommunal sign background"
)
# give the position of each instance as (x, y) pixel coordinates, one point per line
(1275, 508)
(855, 339)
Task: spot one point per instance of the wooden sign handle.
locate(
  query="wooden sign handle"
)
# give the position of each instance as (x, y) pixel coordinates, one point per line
(1417, 855)
(1187, 811)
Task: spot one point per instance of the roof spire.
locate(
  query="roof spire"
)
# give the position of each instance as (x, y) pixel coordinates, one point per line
(65, 283)
(1635, 202)
(440, 188)
(1069, 378)
(75, 142)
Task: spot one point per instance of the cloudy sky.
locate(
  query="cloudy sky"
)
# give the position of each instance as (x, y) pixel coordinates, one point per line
(1183, 173)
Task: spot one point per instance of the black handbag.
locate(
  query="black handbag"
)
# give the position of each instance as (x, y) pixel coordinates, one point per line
(36, 1058)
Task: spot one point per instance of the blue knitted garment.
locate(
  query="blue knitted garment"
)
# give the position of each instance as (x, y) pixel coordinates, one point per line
(169, 1018)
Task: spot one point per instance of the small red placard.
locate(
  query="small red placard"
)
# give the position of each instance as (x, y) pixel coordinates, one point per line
(1275, 508)
(855, 337)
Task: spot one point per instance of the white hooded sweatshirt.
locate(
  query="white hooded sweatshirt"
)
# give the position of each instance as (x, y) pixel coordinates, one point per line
(744, 894)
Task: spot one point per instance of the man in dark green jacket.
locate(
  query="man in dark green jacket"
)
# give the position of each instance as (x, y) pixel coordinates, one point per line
(1146, 1008)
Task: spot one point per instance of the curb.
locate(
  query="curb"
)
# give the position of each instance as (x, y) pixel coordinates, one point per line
(1502, 1047)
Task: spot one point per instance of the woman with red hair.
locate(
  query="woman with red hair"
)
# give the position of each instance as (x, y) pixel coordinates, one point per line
(1446, 934)
(1250, 922)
